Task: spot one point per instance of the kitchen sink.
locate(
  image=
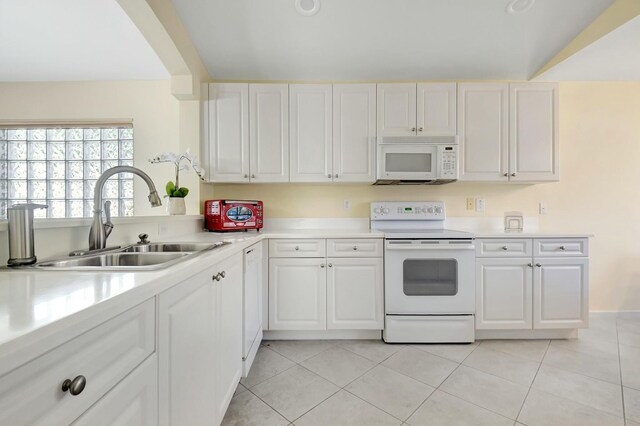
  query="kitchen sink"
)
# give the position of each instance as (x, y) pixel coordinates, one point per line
(136, 257)
(169, 247)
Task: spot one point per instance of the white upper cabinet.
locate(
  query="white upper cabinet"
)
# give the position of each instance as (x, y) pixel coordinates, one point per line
(396, 109)
(534, 149)
(354, 132)
(311, 133)
(483, 131)
(436, 109)
(228, 141)
(508, 132)
(269, 132)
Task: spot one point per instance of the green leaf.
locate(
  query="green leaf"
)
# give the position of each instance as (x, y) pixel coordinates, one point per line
(177, 193)
(184, 191)
(171, 187)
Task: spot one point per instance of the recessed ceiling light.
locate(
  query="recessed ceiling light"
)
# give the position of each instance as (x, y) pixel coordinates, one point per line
(516, 7)
(307, 7)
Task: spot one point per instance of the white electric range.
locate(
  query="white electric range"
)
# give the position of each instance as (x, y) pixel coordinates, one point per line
(429, 274)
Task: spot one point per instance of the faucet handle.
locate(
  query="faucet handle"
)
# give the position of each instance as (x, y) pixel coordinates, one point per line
(143, 238)
(108, 225)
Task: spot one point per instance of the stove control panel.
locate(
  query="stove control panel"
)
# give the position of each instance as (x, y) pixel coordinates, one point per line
(407, 210)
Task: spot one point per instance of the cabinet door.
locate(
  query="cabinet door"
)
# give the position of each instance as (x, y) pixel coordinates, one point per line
(503, 294)
(133, 402)
(228, 333)
(396, 109)
(297, 294)
(228, 132)
(436, 109)
(311, 132)
(561, 293)
(354, 132)
(188, 352)
(269, 132)
(252, 297)
(534, 149)
(483, 131)
(355, 294)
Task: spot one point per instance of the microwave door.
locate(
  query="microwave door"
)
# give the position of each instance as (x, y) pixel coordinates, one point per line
(408, 162)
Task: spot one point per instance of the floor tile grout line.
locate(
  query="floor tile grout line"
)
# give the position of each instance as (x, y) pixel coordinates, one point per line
(371, 404)
(624, 414)
(298, 362)
(532, 381)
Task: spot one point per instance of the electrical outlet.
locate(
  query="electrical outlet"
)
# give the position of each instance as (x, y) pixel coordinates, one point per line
(480, 205)
(542, 208)
(346, 204)
(471, 203)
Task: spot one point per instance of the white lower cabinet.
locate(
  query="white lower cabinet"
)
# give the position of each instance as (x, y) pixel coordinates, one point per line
(297, 294)
(355, 294)
(561, 293)
(532, 292)
(200, 345)
(326, 293)
(133, 402)
(503, 294)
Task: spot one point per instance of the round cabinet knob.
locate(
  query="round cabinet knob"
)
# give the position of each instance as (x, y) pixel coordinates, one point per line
(335, 176)
(223, 274)
(75, 386)
(297, 248)
(253, 176)
(216, 277)
(355, 247)
(330, 265)
(413, 129)
(505, 248)
(513, 174)
(246, 176)
(539, 265)
(329, 175)
(505, 174)
(420, 129)
(563, 248)
(530, 265)
(322, 265)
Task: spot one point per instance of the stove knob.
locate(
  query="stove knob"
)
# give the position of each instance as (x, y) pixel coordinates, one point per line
(439, 210)
(385, 210)
(430, 210)
(377, 210)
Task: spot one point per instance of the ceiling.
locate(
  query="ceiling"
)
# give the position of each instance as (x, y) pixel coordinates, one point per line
(71, 40)
(616, 56)
(381, 39)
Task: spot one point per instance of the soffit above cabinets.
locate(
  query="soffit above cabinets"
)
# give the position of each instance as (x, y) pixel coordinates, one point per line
(616, 56)
(382, 39)
(73, 40)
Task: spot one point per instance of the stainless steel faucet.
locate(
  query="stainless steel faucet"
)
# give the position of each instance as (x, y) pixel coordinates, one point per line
(100, 231)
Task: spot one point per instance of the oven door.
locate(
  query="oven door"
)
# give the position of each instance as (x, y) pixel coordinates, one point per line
(407, 162)
(429, 277)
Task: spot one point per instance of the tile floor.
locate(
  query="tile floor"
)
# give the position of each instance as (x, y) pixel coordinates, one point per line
(593, 380)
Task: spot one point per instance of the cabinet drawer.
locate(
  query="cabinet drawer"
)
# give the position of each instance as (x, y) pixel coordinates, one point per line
(307, 247)
(365, 247)
(507, 247)
(552, 247)
(32, 394)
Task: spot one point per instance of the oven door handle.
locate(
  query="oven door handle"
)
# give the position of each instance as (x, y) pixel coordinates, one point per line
(417, 247)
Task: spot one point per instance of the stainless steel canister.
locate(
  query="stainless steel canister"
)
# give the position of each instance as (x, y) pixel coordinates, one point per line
(21, 244)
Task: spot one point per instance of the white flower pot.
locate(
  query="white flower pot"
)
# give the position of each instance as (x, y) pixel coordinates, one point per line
(176, 206)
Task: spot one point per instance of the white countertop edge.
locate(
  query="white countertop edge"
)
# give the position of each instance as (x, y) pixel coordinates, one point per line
(508, 235)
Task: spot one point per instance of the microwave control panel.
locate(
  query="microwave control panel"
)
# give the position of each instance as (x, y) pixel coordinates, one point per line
(448, 156)
(410, 210)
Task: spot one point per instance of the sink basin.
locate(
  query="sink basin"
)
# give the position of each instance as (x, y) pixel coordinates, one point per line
(170, 247)
(111, 260)
(135, 257)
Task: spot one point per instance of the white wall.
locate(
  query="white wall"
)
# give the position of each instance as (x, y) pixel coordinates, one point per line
(161, 122)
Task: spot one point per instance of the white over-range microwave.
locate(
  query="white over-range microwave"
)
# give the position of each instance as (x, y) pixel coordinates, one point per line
(423, 160)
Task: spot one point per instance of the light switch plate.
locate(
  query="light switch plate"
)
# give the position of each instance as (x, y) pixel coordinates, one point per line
(480, 205)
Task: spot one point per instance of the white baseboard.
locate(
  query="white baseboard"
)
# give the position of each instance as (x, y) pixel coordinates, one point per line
(323, 335)
(527, 334)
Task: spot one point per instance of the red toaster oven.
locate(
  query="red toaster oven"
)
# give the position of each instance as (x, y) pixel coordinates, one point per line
(233, 215)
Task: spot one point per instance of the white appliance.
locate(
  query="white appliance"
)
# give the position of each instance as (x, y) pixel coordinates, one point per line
(417, 160)
(252, 309)
(429, 274)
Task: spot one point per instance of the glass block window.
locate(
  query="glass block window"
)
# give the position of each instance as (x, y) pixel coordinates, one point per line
(59, 167)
